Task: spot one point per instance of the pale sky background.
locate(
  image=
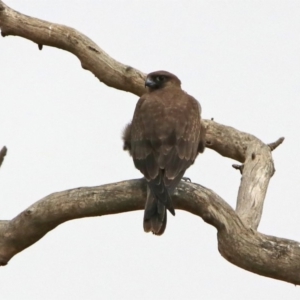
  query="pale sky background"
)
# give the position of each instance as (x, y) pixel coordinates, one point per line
(62, 128)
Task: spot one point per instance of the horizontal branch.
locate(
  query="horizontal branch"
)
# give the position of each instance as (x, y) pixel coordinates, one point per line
(246, 248)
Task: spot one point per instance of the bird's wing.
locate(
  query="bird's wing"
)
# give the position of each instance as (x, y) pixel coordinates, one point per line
(165, 134)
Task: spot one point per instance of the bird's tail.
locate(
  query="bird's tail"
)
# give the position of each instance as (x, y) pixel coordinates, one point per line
(155, 216)
(161, 193)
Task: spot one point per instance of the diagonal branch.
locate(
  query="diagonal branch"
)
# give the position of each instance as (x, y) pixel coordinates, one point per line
(274, 145)
(91, 56)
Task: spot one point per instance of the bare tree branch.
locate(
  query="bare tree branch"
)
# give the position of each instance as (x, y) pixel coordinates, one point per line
(239, 242)
(246, 248)
(274, 145)
(91, 56)
(238, 167)
(257, 172)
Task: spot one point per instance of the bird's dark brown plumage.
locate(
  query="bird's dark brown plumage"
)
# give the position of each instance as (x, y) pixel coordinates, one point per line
(164, 139)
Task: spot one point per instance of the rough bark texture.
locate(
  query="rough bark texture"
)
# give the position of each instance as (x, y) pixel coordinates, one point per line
(239, 242)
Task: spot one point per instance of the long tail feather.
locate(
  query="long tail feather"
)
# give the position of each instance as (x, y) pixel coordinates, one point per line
(161, 193)
(155, 216)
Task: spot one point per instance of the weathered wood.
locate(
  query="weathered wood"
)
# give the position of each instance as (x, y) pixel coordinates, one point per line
(91, 56)
(265, 255)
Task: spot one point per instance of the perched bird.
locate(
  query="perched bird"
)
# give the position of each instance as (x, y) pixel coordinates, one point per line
(164, 139)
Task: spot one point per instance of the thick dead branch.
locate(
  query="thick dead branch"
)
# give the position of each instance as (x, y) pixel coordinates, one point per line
(239, 242)
(257, 172)
(265, 255)
(91, 56)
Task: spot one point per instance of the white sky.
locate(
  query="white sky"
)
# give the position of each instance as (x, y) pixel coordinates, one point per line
(62, 127)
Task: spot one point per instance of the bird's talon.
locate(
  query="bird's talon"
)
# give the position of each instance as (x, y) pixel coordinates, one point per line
(186, 179)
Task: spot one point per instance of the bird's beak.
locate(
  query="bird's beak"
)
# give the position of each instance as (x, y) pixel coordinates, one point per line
(150, 83)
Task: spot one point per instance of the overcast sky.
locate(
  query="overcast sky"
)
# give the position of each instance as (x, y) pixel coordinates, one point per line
(62, 128)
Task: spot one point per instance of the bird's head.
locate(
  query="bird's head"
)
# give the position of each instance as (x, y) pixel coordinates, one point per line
(160, 79)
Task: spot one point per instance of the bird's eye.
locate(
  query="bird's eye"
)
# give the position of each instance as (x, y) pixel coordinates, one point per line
(160, 78)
